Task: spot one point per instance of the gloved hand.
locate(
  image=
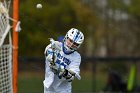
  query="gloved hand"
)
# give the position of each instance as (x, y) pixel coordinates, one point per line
(68, 75)
(51, 57)
(70, 78)
(61, 71)
(55, 44)
(53, 68)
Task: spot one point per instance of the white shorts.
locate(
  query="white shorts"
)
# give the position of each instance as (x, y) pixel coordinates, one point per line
(58, 90)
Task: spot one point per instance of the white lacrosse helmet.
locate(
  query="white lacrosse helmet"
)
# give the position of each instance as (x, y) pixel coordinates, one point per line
(72, 41)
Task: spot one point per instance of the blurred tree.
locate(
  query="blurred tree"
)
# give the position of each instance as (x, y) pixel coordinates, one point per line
(106, 25)
(53, 20)
(123, 15)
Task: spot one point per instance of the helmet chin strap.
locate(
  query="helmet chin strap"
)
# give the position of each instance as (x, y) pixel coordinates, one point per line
(66, 50)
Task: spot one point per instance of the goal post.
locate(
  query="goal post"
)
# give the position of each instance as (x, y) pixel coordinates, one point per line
(8, 46)
(15, 46)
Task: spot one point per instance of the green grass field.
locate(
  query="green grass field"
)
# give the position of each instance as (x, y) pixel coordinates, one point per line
(30, 83)
(33, 83)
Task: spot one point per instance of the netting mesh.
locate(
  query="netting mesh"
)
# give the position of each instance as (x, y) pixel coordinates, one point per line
(5, 49)
(5, 69)
(4, 20)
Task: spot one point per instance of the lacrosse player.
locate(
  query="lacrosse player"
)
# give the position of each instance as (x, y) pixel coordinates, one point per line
(62, 62)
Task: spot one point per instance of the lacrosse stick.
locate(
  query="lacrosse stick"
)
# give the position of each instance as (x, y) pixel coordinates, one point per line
(76, 75)
(54, 48)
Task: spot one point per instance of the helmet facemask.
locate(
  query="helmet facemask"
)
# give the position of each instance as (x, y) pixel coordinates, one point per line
(71, 45)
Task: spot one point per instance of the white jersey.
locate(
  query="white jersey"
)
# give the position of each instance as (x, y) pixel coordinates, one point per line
(72, 62)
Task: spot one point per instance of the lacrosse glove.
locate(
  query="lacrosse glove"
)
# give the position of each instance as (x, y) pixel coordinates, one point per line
(51, 57)
(68, 75)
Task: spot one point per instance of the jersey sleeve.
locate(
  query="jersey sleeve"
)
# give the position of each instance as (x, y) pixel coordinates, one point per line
(75, 65)
(46, 50)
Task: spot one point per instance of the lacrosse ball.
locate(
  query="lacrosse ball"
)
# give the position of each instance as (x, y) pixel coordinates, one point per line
(39, 6)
